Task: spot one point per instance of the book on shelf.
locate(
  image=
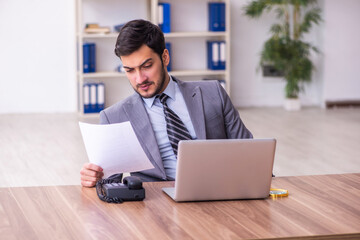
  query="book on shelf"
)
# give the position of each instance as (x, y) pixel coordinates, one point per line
(164, 17)
(92, 25)
(93, 97)
(89, 57)
(216, 15)
(95, 28)
(216, 55)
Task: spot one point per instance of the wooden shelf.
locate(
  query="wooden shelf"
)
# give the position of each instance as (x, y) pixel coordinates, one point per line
(175, 73)
(197, 73)
(194, 34)
(104, 75)
(167, 35)
(98, 35)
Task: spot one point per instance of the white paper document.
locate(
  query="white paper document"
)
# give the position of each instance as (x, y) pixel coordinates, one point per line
(114, 147)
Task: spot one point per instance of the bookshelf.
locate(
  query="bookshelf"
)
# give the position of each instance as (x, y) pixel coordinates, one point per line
(188, 37)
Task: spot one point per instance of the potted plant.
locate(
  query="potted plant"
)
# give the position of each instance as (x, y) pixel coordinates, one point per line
(286, 50)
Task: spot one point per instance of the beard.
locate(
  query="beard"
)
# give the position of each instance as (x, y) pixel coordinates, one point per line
(159, 87)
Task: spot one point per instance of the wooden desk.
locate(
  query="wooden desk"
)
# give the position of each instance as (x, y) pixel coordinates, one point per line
(318, 207)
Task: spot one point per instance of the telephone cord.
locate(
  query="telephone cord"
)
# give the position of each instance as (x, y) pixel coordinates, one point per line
(100, 192)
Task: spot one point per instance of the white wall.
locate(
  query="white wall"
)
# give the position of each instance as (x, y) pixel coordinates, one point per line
(37, 56)
(342, 50)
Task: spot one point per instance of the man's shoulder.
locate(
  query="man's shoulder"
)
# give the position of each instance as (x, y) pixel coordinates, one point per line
(117, 109)
(200, 82)
(210, 89)
(203, 84)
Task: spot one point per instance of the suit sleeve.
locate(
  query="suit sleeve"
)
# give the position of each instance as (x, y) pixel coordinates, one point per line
(103, 118)
(235, 128)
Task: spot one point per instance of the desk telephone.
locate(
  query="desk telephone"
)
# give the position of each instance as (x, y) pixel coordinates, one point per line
(113, 191)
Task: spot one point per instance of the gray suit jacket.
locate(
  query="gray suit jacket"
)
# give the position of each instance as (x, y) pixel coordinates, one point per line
(210, 109)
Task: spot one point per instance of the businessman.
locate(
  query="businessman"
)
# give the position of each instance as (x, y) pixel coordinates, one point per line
(164, 110)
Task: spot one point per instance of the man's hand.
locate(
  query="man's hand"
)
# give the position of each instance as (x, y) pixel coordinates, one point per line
(90, 174)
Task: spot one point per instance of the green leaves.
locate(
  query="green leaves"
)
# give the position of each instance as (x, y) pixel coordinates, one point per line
(256, 8)
(288, 54)
(277, 29)
(310, 18)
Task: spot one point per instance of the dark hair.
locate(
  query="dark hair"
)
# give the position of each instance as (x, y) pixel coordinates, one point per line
(136, 33)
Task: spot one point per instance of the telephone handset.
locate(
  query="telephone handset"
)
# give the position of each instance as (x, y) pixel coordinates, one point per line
(112, 191)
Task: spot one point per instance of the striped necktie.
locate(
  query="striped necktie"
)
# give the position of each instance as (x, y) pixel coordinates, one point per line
(176, 129)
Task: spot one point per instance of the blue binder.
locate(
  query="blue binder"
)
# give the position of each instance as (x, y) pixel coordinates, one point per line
(86, 58)
(168, 47)
(216, 11)
(216, 58)
(222, 17)
(93, 57)
(94, 97)
(222, 55)
(100, 97)
(212, 55)
(89, 57)
(86, 97)
(164, 17)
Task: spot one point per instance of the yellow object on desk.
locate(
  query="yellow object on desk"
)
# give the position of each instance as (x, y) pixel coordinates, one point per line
(277, 192)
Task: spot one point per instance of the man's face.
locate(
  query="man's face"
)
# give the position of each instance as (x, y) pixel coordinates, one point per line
(145, 71)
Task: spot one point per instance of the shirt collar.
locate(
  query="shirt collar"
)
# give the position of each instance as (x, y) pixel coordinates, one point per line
(169, 90)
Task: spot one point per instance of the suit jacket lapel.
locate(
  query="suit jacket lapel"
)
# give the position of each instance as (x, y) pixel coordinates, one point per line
(193, 100)
(142, 127)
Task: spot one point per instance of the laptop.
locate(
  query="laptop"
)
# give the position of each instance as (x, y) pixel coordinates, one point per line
(223, 169)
